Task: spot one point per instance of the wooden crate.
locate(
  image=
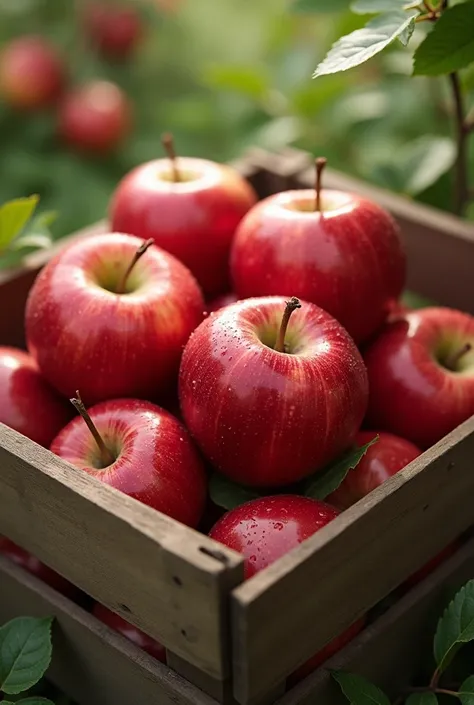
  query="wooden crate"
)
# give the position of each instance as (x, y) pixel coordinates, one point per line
(235, 641)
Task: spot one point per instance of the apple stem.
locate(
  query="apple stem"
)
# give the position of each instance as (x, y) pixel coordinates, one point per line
(168, 145)
(105, 455)
(320, 163)
(141, 251)
(453, 359)
(291, 306)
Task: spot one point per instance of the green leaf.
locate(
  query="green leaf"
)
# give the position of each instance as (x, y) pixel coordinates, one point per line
(367, 7)
(450, 45)
(34, 700)
(424, 160)
(25, 653)
(360, 46)
(466, 691)
(14, 215)
(422, 699)
(322, 483)
(358, 690)
(228, 494)
(319, 6)
(455, 627)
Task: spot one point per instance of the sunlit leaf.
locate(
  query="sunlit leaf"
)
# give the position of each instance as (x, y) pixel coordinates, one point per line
(450, 45)
(14, 215)
(360, 46)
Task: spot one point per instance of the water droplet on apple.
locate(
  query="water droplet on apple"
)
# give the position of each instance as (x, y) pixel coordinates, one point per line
(278, 526)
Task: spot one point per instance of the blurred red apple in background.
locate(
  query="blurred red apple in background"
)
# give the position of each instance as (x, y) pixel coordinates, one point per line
(337, 250)
(27, 402)
(95, 117)
(100, 321)
(421, 374)
(272, 398)
(264, 530)
(118, 624)
(34, 566)
(190, 207)
(31, 73)
(382, 460)
(141, 450)
(114, 29)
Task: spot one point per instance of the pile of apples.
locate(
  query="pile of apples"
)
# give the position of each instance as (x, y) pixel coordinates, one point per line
(208, 333)
(95, 116)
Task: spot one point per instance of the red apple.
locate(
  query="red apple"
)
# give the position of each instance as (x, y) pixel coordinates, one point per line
(27, 402)
(337, 250)
(190, 207)
(221, 301)
(141, 450)
(95, 117)
(91, 326)
(31, 73)
(383, 459)
(264, 530)
(34, 566)
(118, 624)
(271, 399)
(115, 30)
(421, 374)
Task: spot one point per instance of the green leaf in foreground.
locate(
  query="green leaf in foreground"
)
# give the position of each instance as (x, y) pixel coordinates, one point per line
(413, 300)
(228, 494)
(422, 699)
(358, 690)
(450, 45)
(466, 691)
(322, 483)
(360, 46)
(25, 653)
(14, 215)
(455, 627)
(34, 700)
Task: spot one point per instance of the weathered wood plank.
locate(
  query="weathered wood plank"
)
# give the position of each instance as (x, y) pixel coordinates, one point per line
(389, 651)
(167, 579)
(350, 564)
(91, 663)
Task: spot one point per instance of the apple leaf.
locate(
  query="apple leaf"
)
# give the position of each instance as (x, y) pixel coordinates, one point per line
(33, 700)
(14, 215)
(413, 300)
(362, 44)
(455, 627)
(358, 690)
(423, 160)
(319, 6)
(228, 494)
(450, 45)
(422, 699)
(322, 483)
(25, 653)
(466, 691)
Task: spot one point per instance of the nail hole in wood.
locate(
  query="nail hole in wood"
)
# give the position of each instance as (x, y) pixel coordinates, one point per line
(426, 507)
(124, 608)
(177, 581)
(183, 632)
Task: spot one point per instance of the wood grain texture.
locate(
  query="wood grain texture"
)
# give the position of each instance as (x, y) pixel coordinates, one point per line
(91, 663)
(167, 579)
(392, 651)
(342, 571)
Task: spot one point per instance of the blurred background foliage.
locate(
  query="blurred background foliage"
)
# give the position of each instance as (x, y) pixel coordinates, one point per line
(223, 75)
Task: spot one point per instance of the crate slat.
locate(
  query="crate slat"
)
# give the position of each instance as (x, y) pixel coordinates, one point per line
(364, 548)
(164, 577)
(91, 663)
